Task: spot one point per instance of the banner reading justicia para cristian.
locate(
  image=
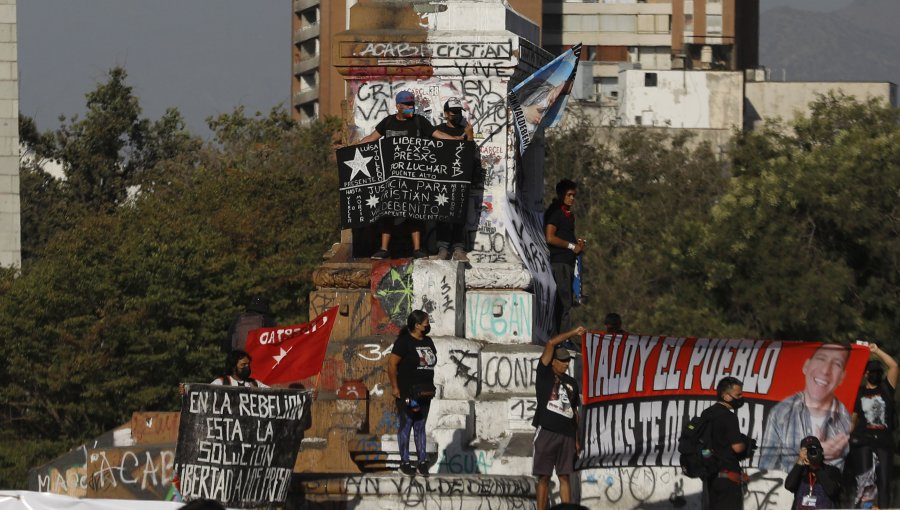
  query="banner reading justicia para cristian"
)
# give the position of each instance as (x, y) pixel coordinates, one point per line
(638, 392)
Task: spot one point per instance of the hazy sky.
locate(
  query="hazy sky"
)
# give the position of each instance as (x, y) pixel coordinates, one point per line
(202, 56)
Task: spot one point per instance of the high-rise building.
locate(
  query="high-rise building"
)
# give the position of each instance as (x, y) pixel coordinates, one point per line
(10, 209)
(654, 34)
(317, 89)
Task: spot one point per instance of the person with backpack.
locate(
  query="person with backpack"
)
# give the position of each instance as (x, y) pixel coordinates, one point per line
(727, 447)
(256, 315)
(403, 123)
(814, 483)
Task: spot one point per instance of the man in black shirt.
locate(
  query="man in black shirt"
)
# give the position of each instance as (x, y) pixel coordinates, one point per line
(403, 123)
(873, 423)
(559, 230)
(557, 420)
(453, 235)
(728, 445)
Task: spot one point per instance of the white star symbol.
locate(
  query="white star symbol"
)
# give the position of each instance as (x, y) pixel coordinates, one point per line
(441, 199)
(280, 355)
(359, 164)
(372, 201)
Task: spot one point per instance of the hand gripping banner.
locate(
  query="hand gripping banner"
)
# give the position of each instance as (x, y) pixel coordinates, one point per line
(640, 390)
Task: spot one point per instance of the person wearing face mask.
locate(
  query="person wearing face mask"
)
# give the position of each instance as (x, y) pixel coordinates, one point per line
(873, 423)
(453, 235)
(814, 483)
(403, 123)
(237, 371)
(411, 372)
(729, 446)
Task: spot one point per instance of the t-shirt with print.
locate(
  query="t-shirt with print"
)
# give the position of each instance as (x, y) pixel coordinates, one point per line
(416, 126)
(875, 415)
(417, 361)
(557, 401)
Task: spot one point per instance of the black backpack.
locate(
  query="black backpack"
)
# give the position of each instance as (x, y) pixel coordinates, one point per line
(693, 443)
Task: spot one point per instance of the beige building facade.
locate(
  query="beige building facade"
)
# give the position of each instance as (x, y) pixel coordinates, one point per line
(10, 208)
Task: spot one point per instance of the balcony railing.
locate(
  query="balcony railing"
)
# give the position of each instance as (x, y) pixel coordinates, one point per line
(306, 65)
(302, 5)
(306, 96)
(306, 33)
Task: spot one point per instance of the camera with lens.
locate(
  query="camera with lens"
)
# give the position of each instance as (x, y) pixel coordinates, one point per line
(815, 455)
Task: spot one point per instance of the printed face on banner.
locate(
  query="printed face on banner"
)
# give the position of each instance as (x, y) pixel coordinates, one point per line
(825, 371)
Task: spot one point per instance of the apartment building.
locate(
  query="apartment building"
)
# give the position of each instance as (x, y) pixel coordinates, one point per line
(316, 87)
(653, 34)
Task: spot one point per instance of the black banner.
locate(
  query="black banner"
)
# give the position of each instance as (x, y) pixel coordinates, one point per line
(238, 445)
(404, 176)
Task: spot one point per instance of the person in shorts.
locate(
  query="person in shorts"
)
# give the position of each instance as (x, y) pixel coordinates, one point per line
(557, 420)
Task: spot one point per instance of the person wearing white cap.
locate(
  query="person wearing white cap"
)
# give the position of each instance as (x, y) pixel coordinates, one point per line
(453, 235)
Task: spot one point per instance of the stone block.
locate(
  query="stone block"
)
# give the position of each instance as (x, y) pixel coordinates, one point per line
(155, 427)
(9, 108)
(354, 307)
(383, 417)
(9, 52)
(453, 415)
(392, 295)
(457, 372)
(500, 316)
(365, 360)
(491, 421)
(498, 276)
(439, 290)
(8, 14)
(7, 34)
(509, 370)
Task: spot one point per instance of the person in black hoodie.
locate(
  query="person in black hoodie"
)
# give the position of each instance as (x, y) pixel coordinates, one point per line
(814, 483)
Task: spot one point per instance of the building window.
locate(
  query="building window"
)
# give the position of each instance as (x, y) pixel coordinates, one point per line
(650, 79)
(689, 23)
(714, 24)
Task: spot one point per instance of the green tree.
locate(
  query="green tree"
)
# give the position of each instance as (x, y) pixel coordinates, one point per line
(129, 301)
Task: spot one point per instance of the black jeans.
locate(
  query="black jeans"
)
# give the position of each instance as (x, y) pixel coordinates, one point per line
(722, 493)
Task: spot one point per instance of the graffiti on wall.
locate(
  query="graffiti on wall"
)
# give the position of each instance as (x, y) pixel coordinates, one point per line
(138, 472)
(392, 296)
(499, 316)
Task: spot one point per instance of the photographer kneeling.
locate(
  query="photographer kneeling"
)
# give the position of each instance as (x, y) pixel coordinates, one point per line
(814, 483)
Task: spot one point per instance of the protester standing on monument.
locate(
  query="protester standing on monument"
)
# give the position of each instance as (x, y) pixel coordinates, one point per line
(874, 421)
(729, 447)
(559, 230)
(452, 236)
(237, 371)
(557, 419)
(411, 372)
(403, 123)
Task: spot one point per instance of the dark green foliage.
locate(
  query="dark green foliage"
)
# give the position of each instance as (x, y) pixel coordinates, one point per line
(120, 301)
(791, 236)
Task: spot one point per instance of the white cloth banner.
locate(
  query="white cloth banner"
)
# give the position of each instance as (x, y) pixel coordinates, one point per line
(26, 500)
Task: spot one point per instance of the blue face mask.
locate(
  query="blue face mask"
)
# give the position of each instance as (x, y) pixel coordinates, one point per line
(409, 111)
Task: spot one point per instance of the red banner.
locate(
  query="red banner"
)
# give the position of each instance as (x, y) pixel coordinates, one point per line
(290, 353)
(639, 390)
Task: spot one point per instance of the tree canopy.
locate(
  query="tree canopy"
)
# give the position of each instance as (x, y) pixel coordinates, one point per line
(140, 258)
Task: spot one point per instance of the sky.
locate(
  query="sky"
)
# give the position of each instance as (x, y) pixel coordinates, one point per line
(203, 57)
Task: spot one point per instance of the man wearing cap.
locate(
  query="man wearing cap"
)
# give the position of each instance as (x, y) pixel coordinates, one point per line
(814, 483)
(403, 123)
(557, 420)
(453, 235)
(873, 422)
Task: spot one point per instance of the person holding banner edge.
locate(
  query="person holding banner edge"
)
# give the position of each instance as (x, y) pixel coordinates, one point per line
(411, 372)
(237, 371)
(453, 235)
(403, 123)
(557, 418)
(873, 423)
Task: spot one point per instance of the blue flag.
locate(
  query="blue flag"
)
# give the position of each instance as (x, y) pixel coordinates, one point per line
(539, 101)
